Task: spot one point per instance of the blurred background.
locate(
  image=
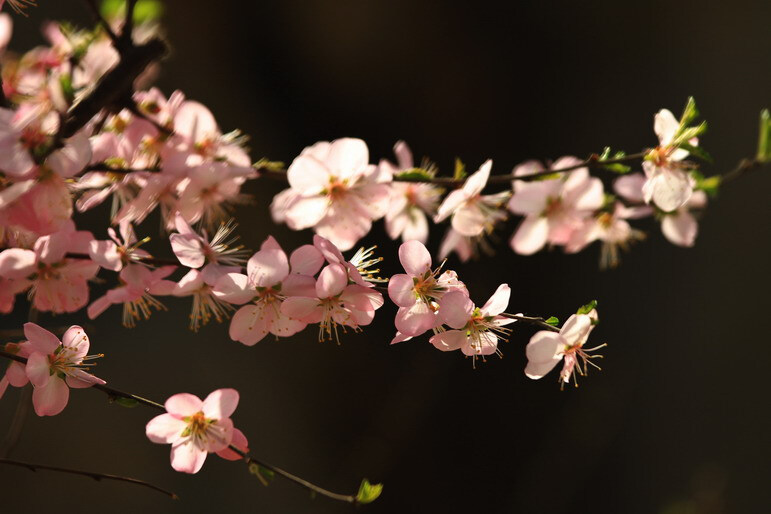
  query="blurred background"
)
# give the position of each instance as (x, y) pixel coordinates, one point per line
(678, 420)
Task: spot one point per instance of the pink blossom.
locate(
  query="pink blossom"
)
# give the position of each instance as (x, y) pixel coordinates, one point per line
(668, 185)
(118, 252)
(265, 286)
(553, 208)
(473, 213)
(209, 189)
(195, 428)
(54, 366)
(473, 329)
(59, 283)
(206, 305)
(410, 202)
(137, 293)
(418, 292)
(195, 251)
(612, 229)
(453, 241)
(547, 348)
(334, 190)
(334, 303)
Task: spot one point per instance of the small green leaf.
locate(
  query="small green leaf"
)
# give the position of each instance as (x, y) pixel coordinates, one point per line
(460, 170)
(368, 492)
(589, 307)
(65, 80)
(764, 137)
(415, 174)
(269, 165)
(553, 321)
(696, 151)
(126, 402)
(111, 9)
(615, 167)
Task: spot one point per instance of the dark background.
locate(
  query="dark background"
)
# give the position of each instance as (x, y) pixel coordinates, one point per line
(676, 423)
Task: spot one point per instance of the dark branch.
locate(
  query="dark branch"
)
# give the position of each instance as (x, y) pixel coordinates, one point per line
(90, 474)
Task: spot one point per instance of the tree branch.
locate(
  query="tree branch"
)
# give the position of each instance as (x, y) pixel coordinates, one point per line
(90, 474)
(540, 322)
(114, 394)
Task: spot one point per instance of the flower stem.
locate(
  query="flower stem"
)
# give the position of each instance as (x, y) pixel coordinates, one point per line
(533, 321)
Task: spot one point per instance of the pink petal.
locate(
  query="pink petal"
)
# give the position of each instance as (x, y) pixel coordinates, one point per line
(165, 429)
(72, 158)
(680, 228)
(665, 126)
(38, 369)
(449, 341)
(531, 197)
(240, 442)
(183, 404)
(486, 344)
(298, 285)
(220, 404)
(75, 338)
(347, 156)
(301, 308)
(249, 324)
(186, 457)
(414, 321)
(188, 249)
(41, 340)
(469, 220)
(267, 268)
(16, 263)
(400, 290)
(478, 180)
(234, 288)
(576, 329)
(306, 260)
(630, 187)
(307, 175)
(455, 309)
(671, 189)
(498, 301)
(414, 258)
(306, 212)
(50, 399)
(450, 204)
(531, 235)
(331, 282)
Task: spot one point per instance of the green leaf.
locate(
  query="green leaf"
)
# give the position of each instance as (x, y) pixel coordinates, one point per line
(368, 492)
(764, 137)
(126, 402)
(145, 11)
(589, 307)
(415, 174)
(263, 475)
(65, 80)
(697, 151)
(460, 170)
(616, 167)
(553, 321)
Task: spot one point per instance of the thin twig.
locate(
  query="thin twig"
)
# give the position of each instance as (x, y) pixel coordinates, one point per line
(295, 479)
(90, 474)
(533, 321)
(743, 167)
(128, 24)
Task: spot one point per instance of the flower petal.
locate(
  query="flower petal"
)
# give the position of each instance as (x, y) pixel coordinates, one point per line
(455, 309)
(415, 258)
(183, 404)
(220, 404)
(165, 429)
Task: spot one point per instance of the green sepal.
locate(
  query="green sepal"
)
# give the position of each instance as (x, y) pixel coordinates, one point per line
(552, 321)
(589, 307)
(368, 492)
